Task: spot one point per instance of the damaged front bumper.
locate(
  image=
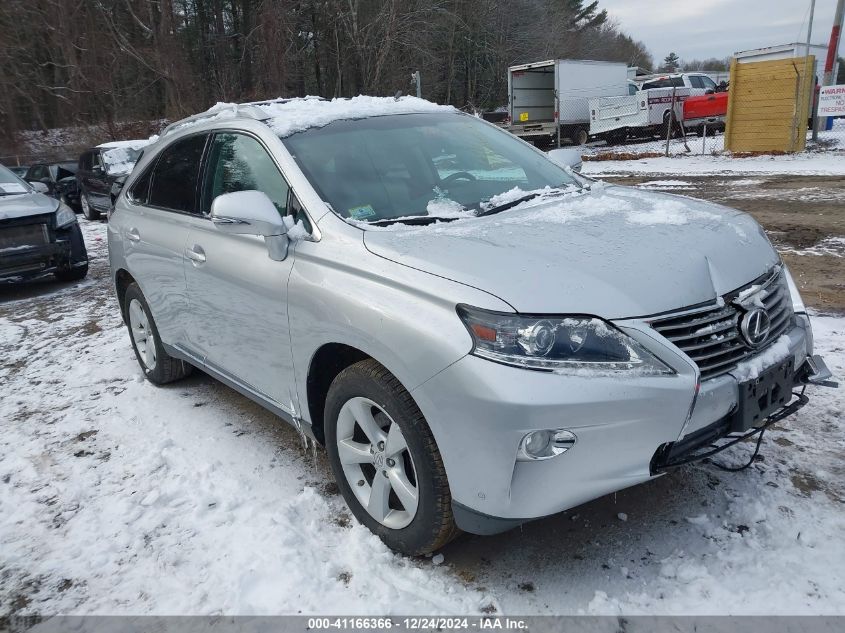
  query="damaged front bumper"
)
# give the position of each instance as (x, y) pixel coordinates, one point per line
(627, 431)
(64, 252)
(730, 430)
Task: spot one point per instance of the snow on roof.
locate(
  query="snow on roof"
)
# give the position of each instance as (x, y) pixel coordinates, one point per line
(134, 143)
(286, 117)
(296, 116)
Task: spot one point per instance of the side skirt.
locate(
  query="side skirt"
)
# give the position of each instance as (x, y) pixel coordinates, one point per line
(271, 405)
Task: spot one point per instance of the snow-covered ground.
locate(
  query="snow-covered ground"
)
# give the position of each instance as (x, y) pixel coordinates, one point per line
(830, 163)
(120, 497)
(707, 157)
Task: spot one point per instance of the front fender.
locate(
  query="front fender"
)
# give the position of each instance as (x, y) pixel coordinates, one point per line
(339, 292)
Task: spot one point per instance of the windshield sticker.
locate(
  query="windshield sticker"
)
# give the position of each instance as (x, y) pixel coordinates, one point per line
(362, 213)
(12, 187)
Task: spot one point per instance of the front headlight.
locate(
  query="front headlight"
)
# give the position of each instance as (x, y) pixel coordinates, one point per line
(562, 344)
(794, 295)
(64, 216)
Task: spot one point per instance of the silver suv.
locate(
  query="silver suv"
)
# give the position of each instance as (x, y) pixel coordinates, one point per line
(478, 335)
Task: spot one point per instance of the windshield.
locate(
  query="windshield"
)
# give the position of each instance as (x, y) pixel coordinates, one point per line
(121, 160)
(436, 164)
(10, 184)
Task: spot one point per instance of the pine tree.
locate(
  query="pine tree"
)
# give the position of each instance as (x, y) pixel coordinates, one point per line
(671, 62)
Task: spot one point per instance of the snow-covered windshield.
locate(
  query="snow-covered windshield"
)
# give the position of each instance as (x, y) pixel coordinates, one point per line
(10, 184)
(435, 164)
(121, 160)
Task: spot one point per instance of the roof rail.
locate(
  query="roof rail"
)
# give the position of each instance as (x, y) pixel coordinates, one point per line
(248, 109)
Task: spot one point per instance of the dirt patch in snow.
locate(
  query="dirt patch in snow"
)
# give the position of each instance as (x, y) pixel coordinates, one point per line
(804, 217)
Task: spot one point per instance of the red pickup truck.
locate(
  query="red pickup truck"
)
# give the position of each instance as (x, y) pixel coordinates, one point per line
(708, 109)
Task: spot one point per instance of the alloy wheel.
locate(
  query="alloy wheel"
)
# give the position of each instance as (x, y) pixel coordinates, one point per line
(142, 334)
(377, 463)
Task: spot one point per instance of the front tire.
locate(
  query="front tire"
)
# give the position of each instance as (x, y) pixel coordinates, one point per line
(158, 366)
(386, 462)
(88, 211)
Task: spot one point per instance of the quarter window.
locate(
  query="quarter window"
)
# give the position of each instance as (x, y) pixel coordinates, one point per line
(141, 189)
(237, 162)
(174, 178)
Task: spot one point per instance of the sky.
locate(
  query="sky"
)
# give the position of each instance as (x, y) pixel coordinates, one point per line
(698, 29)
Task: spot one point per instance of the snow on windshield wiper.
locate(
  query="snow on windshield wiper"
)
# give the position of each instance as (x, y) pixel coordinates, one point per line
(419, 220)
(510, 202)
(508, 205)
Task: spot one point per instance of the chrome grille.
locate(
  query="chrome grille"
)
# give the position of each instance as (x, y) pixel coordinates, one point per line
(711, 337)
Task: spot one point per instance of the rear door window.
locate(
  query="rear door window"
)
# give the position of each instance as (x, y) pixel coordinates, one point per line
(174, 180)
(695, 82)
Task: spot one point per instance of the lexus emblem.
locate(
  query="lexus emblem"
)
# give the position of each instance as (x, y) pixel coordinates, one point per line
(755, 326)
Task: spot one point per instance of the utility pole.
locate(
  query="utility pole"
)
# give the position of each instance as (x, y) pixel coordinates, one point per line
(810, 26)
(833, 50)
(813, 114)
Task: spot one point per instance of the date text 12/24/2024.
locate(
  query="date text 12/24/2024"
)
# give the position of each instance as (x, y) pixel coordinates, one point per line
(418, 623)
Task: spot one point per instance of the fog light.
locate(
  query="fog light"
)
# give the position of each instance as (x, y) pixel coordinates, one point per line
(545, 444)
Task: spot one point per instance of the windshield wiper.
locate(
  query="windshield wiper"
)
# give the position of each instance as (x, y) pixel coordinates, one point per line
(507, 205)
(417, 220)
(547, 193)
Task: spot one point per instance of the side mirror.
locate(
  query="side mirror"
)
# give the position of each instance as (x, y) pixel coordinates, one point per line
(39, 186)
(566, 157)
(251, 213)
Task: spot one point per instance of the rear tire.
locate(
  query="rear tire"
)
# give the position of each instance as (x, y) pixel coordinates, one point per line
(88, 211)
(378, 402)
(158, 366)
(581, 136)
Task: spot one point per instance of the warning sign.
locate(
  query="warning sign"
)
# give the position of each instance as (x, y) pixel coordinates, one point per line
(832, 101)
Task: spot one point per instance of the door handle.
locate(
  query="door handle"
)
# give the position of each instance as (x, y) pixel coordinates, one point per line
(132, 235)
(196, 254)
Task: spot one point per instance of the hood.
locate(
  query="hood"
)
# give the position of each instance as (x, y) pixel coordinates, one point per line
(22, 205)
(612, 251)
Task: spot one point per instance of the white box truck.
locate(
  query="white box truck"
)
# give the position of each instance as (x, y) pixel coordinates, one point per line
(551, 96)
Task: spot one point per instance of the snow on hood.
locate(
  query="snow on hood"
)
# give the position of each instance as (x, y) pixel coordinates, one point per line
(611, 251)
(20, 206)
(120, 156)
(296, 115)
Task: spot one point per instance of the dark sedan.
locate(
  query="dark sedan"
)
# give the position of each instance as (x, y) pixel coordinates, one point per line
(60, 179)
(39, 235)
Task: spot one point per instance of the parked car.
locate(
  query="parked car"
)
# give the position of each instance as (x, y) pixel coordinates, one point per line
(39, 235)
(60, 179)
(648, 111)
(698, 83)
(477, 335)
(706, 112)
(100, 168)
